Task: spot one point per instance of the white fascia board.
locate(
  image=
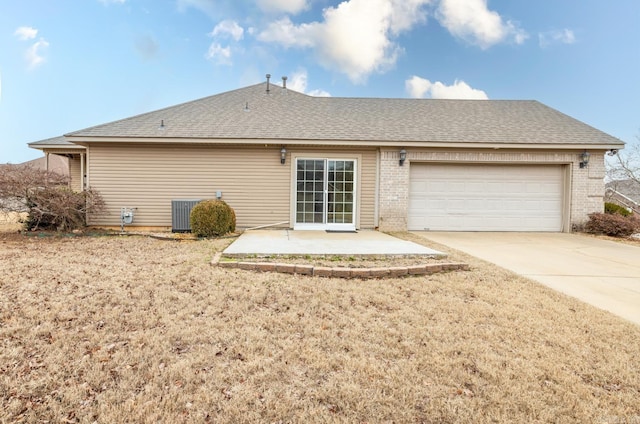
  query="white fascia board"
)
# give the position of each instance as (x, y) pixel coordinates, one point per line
(360, 143)
(56, 147)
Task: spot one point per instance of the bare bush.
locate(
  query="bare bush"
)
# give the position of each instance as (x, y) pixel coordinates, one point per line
(614, 225)
(46, 197)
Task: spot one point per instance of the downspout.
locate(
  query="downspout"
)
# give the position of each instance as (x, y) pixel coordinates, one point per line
(46, 168)
(376, 203)
(87, 159)
(86, 183)
(82, 186)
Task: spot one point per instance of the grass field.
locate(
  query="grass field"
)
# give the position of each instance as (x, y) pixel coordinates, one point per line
(134, 329)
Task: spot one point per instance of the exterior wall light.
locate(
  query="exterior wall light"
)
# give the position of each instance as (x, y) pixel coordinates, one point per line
(283, 155)
(584, 159)
(403, 156)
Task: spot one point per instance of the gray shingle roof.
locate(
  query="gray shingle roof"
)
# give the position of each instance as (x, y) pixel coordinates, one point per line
(296, 116)
(52, 142)
(629, 188)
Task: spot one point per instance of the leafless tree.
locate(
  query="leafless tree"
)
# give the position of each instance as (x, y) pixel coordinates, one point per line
(625, 165)
(623, 177)
(46, 197)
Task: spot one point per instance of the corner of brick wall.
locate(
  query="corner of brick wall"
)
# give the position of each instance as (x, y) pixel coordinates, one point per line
(394, 191)
(588, 189)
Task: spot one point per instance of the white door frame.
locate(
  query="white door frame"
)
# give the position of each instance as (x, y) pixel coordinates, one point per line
(327, 193)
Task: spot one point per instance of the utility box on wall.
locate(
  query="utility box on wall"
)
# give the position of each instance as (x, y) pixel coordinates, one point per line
(180, 213)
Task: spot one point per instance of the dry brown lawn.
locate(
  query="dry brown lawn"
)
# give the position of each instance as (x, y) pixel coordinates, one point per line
(134, 329)
(10, 221)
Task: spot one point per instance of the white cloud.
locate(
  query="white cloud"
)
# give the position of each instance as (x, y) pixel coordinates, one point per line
(228, 28)
(418, 87)
(26, 33)
(107, 2)
(406, 13)
(219, 54)
(225, 29)
(472, 21)
(298, 82)
(355, 37)
(34, 53)
(287, 6)
(286, 33)
(565, 36)
(319, 93)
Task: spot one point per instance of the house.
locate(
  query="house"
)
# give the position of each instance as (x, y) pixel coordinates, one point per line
(285, 159)
(50, 162)
(60, 157)
(625, 193)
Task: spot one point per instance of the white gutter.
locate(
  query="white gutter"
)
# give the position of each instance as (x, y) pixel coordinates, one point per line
(361, 143)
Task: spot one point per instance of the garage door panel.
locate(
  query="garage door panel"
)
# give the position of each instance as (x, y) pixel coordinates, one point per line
(460, 197)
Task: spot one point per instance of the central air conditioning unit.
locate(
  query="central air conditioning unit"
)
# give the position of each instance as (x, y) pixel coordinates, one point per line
(180, 213)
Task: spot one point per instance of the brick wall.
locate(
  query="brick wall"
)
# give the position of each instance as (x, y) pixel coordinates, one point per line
(584, 186)
(394, 191)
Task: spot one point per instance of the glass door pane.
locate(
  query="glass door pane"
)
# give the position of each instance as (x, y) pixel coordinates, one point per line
(340, 191)
(310, 188)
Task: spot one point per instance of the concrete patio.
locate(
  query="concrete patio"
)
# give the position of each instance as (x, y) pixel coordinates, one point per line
(289, 242)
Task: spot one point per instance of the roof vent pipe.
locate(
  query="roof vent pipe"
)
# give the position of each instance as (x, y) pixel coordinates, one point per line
(284, 82)
(268, 89)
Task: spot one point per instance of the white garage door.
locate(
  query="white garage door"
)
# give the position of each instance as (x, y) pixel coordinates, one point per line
(462, 197)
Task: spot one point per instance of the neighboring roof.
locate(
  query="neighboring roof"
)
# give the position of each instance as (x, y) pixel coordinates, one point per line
(629, 188)
(289, 115)
(57, 163)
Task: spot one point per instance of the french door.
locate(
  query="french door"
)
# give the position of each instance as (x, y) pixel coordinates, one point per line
(325, 194)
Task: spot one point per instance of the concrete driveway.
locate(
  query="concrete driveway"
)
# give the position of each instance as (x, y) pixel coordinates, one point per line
(603, 273)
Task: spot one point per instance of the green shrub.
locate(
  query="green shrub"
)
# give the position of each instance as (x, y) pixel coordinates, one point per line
(615, 208)
(614, 225)
(211, 218)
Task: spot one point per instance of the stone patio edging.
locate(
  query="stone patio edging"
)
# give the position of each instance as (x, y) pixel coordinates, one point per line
(340, 272)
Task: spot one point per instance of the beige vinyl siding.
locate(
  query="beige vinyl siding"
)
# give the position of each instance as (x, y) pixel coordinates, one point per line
(75, 173)
(148, 177)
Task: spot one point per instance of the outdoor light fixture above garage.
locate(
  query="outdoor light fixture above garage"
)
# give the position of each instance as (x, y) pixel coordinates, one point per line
(403, 156)
(283, 155)
(584, 159)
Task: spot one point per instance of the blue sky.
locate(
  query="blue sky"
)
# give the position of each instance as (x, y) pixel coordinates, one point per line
(69, 64)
